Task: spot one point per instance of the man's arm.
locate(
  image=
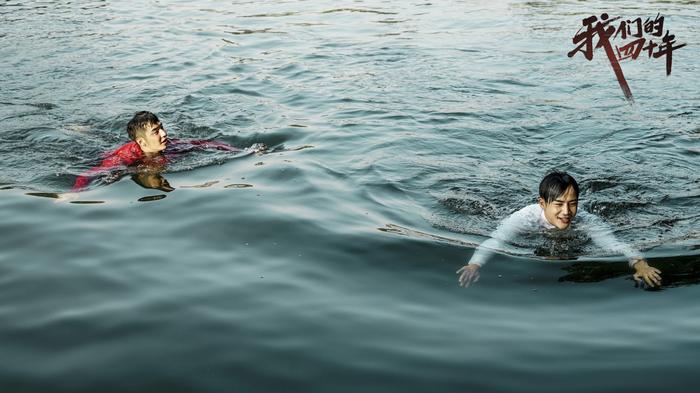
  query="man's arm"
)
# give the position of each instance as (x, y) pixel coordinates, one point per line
(603, 237)
(207, 144)
(506, 230)
(107, 165)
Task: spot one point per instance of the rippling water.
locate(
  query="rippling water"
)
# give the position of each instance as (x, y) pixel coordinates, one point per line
(399, 134)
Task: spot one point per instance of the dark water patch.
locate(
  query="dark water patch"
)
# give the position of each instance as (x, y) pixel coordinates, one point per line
(308, 24)
(677, 271)
(44, 194)
(361, 10)
(398, 117)
(296, 72)
(87, 202)
(288, 69)
(186, 128)
(338, 44)
(233, 90)
(599, 184)
(610, 209)
(392, 21)
(151, 198)
(455, 115)
(299, 100)
(40, 105)
(15, 187)
(469, 206)
(42, 135)
(238, 185)
(512, 82)
(670, 222)
(243, 31)
(271, 15)
(317, 56)
(481, 90)
(587, 272)
(358, 113)
(345, 100)
(681, 199)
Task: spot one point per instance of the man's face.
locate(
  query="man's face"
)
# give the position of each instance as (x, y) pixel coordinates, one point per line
(562, 209)
(154, 139)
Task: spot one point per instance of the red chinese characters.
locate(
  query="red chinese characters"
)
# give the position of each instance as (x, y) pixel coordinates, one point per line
(597, 33)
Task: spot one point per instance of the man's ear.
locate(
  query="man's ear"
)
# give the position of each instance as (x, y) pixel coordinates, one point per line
(141, 142)
(540, 200)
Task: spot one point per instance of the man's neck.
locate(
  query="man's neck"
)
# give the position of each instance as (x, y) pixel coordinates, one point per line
(150, 154)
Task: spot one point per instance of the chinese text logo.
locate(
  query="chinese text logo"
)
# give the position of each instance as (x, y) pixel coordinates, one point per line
(641, 36)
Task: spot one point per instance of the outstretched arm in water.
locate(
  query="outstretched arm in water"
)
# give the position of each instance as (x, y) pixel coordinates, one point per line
(603, 237)
(506, 230)
(207, 144)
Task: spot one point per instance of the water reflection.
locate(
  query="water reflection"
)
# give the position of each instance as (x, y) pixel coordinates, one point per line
(151, 198)
(63, 197)
(152, 180)
(678, 271)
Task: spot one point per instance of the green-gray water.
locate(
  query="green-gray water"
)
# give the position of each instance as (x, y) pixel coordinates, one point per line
(400, 133)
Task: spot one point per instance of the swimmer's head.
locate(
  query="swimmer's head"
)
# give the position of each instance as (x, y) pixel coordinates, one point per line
(146, 130)
(559, 199)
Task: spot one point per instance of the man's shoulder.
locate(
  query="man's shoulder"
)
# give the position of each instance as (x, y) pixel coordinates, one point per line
(527, 215)
(128, 147)
(126, 153)
(530, 210)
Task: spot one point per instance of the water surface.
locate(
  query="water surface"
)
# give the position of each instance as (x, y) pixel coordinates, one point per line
(400, 133)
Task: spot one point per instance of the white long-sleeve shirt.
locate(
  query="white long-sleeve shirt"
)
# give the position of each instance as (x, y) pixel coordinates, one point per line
(531, 219)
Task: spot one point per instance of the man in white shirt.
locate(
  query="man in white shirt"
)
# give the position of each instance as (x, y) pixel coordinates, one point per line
(556, 211)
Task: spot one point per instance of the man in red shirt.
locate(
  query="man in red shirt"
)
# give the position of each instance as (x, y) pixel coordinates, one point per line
(149, 145)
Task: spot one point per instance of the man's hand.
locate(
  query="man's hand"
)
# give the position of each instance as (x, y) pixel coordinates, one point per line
(468, 274)
(650, 275)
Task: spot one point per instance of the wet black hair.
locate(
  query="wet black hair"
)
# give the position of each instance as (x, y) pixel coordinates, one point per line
(139, 122)
(555, 184)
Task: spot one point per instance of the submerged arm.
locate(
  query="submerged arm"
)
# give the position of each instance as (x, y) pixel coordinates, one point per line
(107, 165)
(215, 145)
(126, 155)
